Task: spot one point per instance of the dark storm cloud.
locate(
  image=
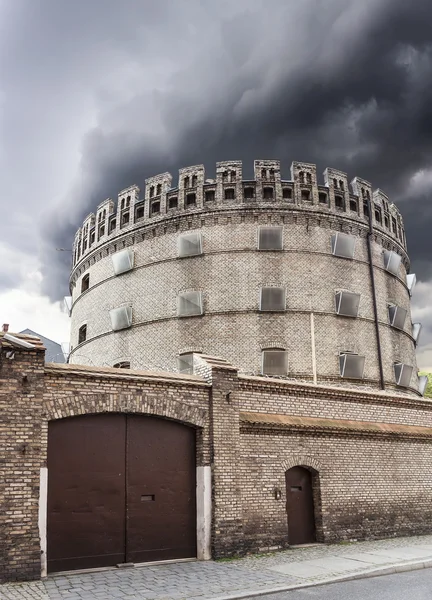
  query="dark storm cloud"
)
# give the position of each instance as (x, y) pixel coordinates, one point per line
(157, 87)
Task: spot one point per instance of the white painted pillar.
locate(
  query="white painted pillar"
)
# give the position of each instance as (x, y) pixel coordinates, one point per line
(203, 502)
(42, 520)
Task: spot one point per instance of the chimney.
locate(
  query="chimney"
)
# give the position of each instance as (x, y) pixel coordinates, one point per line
(5, 328)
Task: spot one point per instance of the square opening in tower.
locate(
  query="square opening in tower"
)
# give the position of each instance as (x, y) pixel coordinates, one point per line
(397, 316)
(270, 238)
(190, 244)
(189, 304)
(411, 280)
(121, 318)
(347, 304)
(275, 362)
(392, 261)
(403, 374)
(343, 245)
(272, 299)
(123, 261)
(185, 363)
(351, 365)
(415, 332)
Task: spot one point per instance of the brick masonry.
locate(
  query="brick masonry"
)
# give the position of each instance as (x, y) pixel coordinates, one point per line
(231, 271)
(369, 452)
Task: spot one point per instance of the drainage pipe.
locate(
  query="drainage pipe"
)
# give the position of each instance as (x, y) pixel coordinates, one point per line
(374, 300)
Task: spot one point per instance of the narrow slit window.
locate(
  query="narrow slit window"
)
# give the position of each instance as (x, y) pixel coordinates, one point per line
(423, 380)
(189, 304)
(190, 244)
(82, 334)
(275, 362)
(122, 365)
(415, 332)
(270, 238)
(351, 365)
(272, 299)
(85, 283)
(411, 280)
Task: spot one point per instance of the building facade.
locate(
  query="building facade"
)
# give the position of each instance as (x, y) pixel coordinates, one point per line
(286, 278)
(102, 466)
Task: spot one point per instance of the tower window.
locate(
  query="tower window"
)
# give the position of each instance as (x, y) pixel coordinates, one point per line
(189, 304)
(397, 316)
(82, 334)
(155, 208)
(190, 199)
(270, 238)
(85, 283)
(158, 189)
(351, 365)
(274, 362)
(322, 197)
(268, 193)
(305, 195)
(185, 363)
(287, 193)
(210, 196)
(403, 374)
(123, 261)
(173, 202)
(339, 203)
(378, 217)
(229, 194)
(343, 245)
(190, 244)
(249, 193)
(392, 261)
(140, 212)
(125, 218)
(347, 304)
(272, 299)
(112, 227)
(121, 318)
(353, 205)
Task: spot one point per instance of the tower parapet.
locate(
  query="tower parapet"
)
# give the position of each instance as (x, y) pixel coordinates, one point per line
(228, 190)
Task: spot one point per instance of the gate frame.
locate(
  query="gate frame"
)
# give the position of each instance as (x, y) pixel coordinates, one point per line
(185, 414)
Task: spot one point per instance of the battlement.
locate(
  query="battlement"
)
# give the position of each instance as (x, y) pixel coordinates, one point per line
(195, 193)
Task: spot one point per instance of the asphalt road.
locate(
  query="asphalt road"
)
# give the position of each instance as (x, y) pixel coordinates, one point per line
(413, 585)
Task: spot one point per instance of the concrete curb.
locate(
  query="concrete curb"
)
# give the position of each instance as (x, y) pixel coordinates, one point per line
(364, 574)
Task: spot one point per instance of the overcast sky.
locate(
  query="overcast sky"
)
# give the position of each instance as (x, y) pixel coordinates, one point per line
(96, 95)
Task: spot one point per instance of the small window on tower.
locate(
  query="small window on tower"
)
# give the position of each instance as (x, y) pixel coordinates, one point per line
(173, 202)
(85, 283)
(402, 374)
(339, 202)
(287, 193)
(353, 205)
(272, 299)
(275, 362)
(270, 238)
(229, 194)
(210, 196)
(392, 261)
(190, 199)
(347, 304)
(268, 193)
(122, 365)
(397, 316)
(155, 208)
(305, 195)
(82, 334)
(249, 193)
(190, 244)
(351, 365)
(189, 304)
(322, 197)
(343, 245)
(185, 363)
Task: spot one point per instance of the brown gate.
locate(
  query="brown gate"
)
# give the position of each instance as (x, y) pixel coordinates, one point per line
(121, 488)
(300, 506)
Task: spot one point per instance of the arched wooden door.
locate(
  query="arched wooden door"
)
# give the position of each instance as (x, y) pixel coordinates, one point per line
(121, 488)
(300, 506)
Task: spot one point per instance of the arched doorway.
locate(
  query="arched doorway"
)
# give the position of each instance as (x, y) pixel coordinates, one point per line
(121, 488)
(300, 506)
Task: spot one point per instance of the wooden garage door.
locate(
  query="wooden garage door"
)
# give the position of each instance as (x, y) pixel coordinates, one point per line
(121, 488)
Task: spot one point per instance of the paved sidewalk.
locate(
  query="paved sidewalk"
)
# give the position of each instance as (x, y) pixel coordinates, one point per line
(253, 575)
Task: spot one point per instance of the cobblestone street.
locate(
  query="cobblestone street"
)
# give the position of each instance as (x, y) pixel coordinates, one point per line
(212, 580)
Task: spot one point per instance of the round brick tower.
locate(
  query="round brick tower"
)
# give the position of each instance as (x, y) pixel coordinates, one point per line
(282, 278)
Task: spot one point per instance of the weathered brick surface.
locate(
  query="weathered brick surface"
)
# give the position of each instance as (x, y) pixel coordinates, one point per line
(231, 272)
(369, 452)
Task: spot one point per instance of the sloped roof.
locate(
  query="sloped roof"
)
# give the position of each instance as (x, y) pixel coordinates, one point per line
(53, 352)
(30, 339)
